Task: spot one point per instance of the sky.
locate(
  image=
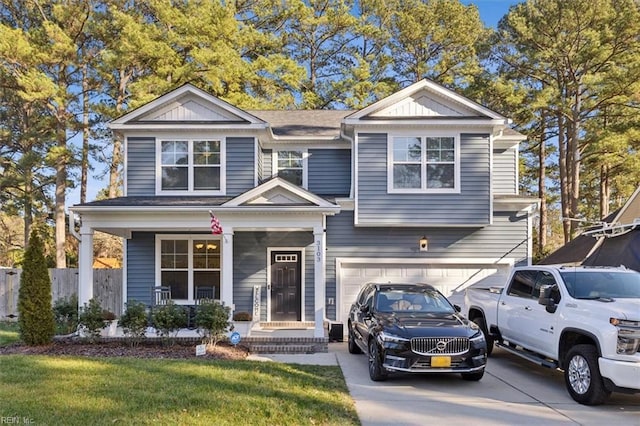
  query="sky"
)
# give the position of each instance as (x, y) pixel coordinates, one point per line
(490, 12)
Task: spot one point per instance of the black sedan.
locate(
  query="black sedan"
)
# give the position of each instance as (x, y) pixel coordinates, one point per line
(413, 328)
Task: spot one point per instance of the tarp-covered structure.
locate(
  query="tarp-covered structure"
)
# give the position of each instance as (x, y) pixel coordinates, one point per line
(615, 242)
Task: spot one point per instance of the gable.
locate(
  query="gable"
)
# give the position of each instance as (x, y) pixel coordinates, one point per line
(426, 99)
(423, 104)
(187, 105)
(281, 193)
(190, 108)
(277, 196)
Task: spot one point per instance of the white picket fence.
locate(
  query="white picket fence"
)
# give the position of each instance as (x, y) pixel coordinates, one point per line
(107, 288)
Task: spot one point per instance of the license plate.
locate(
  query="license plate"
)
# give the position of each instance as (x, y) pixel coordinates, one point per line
(441, 361)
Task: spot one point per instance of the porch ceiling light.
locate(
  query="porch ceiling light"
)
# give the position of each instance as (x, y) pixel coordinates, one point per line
(423, 244)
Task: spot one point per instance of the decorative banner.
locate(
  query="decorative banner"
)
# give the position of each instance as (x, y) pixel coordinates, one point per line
(257, 290)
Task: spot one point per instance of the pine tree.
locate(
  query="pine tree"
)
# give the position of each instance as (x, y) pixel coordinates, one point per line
(35, 316)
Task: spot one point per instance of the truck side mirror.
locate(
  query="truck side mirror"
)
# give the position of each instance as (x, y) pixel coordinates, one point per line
(546, 298)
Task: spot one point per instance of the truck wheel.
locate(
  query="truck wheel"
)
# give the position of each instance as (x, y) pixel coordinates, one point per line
(480, 323)
(377, 372)
(582, 376)
(351, 343)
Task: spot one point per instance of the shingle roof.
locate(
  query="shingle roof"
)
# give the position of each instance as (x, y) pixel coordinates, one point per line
(159, 201)
(177, 201)
(303, 122)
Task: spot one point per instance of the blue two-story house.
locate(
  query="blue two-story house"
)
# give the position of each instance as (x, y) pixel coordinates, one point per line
(421, 186)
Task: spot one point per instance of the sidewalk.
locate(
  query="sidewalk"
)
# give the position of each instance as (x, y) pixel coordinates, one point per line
(327, 358)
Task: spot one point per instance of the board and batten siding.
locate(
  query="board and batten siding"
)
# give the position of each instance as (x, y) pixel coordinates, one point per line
(505, 238)
(505, 171)
(468, 208)
(250, 267)
(329, 171)
(141, 167)
(240, 165)
(141, 272)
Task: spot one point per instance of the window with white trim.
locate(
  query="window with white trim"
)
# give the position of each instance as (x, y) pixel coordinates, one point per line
(189, 263)
(290, 165)
(191, 166)
(423, 164)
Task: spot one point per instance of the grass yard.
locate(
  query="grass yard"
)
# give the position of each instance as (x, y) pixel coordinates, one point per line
(48, 390)
(107, 391)
(8, 334)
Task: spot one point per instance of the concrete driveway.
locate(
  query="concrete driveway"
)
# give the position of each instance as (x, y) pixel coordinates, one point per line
(512, 392)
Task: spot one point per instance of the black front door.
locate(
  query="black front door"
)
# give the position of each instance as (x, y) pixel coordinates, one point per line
(285, 285)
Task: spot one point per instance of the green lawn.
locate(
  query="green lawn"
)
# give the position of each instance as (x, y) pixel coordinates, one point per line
(8, 334)
(48, 390)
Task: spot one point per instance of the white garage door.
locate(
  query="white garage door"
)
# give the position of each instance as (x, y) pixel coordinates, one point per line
(446, 277)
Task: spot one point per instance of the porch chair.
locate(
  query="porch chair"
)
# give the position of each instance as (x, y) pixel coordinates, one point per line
(205, 293)
(161, 295)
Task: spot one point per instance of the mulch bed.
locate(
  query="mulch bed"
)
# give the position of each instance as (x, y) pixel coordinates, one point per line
(118, 348)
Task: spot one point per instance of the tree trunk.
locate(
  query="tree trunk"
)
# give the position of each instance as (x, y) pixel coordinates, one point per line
(564, 189)
(61, 164)
(574, 148)
(85, 136)
(605, 191)
(542, 193)
(116, 158)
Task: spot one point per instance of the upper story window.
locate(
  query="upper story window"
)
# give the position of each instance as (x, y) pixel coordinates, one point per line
(191, 166)
(291, 166)
(423, 164)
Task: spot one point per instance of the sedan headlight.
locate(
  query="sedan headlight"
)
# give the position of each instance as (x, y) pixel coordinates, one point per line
(628, 335)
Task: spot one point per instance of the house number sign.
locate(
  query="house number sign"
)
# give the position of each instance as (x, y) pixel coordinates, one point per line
(318, 251)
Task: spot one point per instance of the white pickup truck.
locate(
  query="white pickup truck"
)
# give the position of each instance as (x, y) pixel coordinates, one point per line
(583, 320)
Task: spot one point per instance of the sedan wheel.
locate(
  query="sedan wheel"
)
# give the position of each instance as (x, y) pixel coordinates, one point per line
(376, 371)
(352, 345)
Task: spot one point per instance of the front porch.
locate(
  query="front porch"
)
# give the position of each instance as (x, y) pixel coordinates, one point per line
(264, 338)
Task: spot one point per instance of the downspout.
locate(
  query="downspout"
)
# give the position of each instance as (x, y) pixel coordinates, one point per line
(72, 226)
(353, 165)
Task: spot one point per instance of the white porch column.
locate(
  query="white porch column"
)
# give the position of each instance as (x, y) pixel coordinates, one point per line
(226, 274)
(85, 266)
(319, 285)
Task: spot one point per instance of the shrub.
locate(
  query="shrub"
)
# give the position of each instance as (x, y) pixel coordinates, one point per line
(108, 315)
(65, 312)
(134, 322)
(242, 316)
(212, 320)
(168, 319)
(92, 320)
(35, 316)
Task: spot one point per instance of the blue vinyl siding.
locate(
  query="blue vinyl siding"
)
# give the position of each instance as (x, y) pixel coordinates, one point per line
(141, 167)
(470, 207)
(504, 171)
(330, 171)
(250, 267)
(240, 165)
(507, 235)
(141, 266)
